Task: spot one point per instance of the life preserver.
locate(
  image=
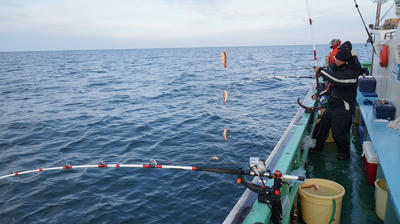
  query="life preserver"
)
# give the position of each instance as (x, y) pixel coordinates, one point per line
(383, 62)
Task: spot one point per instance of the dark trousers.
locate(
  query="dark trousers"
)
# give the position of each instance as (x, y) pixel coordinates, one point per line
(340, 121)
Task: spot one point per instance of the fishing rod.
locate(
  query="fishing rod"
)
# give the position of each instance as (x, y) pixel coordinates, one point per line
(314, 50)
(271, 196)
(312, 33)
(292, 76)
(370, 39)
(154, 164)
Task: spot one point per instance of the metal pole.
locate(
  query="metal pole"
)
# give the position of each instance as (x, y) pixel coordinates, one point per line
(378, 13)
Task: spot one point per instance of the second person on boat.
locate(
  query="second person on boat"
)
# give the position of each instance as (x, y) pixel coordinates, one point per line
(341, 103)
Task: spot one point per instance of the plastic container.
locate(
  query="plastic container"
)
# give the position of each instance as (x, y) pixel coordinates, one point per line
(381, 193)
(370, 160)
(367, 84)
(384, 110)
(317, 205)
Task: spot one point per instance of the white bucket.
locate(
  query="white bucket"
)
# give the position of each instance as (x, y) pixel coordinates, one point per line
(381, 193)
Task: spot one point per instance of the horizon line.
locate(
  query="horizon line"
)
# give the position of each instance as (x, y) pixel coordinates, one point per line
(155, 48)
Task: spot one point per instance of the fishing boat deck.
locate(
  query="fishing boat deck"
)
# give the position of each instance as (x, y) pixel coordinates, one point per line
(358, 203)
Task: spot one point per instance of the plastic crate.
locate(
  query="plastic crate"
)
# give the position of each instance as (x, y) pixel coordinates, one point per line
(383, 109)
(367, 84)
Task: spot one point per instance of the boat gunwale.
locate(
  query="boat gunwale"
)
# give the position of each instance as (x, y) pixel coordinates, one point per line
(237, 211)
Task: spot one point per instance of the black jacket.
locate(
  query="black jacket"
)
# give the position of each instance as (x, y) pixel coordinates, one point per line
(355, 64)
(344, 90)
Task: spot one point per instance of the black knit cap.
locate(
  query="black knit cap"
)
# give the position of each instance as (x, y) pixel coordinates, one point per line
(344, 55)
(346, 45)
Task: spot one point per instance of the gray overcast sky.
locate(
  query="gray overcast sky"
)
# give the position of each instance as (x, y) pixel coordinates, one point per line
(105, 24)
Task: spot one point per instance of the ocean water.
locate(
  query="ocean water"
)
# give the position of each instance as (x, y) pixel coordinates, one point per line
(129, 106)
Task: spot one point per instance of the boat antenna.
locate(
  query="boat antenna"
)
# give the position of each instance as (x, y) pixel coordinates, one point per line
(370, 40)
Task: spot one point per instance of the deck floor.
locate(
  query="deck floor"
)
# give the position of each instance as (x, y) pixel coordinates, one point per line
(358, 203)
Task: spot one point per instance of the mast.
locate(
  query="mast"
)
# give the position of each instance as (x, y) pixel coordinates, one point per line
(378, 13)
(377, 19)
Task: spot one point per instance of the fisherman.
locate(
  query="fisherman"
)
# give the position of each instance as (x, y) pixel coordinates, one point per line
(354, 63)
(335, 43)
(341, 103)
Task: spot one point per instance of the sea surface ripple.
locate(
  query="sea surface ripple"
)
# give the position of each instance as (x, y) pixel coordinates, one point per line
(128, 106)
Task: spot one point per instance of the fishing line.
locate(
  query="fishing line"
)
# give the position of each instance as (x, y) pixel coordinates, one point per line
(384, 15)
(273, 76)
(233, 85)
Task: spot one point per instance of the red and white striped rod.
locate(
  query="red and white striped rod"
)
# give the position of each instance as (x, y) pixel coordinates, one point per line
(312, 33)
(101, 165)
(153, 164)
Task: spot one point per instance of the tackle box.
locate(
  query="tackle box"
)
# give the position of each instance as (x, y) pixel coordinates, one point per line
(370, 161)
(383, 109)
(367, 84)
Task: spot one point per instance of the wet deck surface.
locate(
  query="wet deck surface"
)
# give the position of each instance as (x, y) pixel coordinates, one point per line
(358, 203)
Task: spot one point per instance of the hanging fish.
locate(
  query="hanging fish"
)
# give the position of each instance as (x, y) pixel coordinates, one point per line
(223, 58)
(225, 96)
(214, 158)
(225, 134)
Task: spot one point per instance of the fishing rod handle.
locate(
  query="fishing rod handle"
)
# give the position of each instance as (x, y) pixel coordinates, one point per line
(291, 177)
(278, 174)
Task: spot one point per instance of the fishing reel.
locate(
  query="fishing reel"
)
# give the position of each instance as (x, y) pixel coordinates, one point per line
(258, 166)
(266, 195)
(369, 41)
(269, 195)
